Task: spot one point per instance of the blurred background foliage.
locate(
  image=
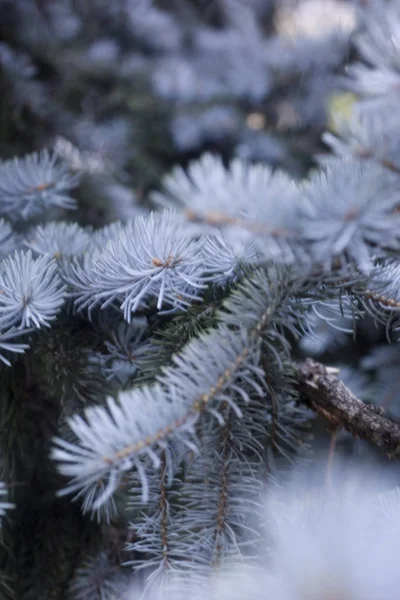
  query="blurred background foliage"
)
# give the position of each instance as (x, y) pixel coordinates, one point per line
(126, 89)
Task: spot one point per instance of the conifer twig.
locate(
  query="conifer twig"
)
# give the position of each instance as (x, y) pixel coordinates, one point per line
(326, 394)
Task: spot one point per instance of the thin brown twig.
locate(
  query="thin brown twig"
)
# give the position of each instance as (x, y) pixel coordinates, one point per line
(321, 389)
(222, 506)
(164, 512)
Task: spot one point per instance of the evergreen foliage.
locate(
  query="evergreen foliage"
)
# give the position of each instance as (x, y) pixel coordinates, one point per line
(178, 230)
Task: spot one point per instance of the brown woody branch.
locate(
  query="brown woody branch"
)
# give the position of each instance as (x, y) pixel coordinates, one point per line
(327, 395)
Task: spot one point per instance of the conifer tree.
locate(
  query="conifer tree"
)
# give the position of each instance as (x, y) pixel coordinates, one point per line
(199, 287)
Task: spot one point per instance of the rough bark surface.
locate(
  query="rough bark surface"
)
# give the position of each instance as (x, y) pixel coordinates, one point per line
(327, 395)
